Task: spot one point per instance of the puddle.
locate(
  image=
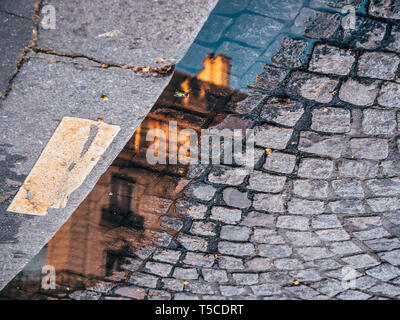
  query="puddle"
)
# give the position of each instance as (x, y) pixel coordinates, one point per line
(133, 204)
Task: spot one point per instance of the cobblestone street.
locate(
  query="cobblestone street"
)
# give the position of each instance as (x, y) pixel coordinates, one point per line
(319, 216)
(325, 191)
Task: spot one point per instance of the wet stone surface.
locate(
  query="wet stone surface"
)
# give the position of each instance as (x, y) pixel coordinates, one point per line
(324, 193)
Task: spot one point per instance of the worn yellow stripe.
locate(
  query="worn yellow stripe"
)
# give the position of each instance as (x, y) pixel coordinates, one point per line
(70, 155)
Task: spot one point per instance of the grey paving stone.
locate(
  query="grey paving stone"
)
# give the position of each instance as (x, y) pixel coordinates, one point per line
(282, 110)
(378, 65)
(325, 221)
(160, 269)
(172, 284)
(347, 207)
(272, 137)
(329, 146)
(362, 223)
(384, 187)
(230, 263)
(236, 249)
(359, 93)
(193, 243)
(393, 257)
(226, 215)
(193, 210)
(316, 189)
(329, 287)
(171, 256)
(324, 265)
(201, 191)
(258, 264)
(305, 207)
(303, 239)
(254, 30)
(144, 280)
(201, 228)
(312, 87)
(201, 288)
(270, 79)
(306, 275)
(331, 60)
(131, 292)
(385, 9)
(384, 272)
(280, 162)
(314, 253)
(303, 292)
(361, 261)
(379, 121)
(267, 289)
(348, 188)
(369, 148)
(288, 264)
(226, 175)
(245, 278)
(266, 236)
(258, 219)
(268, 202)
(368, 33)
(344, 248)
(291, 53)
(386, 289)
(331, 120)
(186, 273)
(353, 295)
(293, 222)
(389, 95)
(234, 198)
(365, 282)
(171, 223)
(158, 295)
(315, 168)
(199, 259)
(235, 233)
(384, 204)
(333, 235)
(274, 251)
(383, 244)
(230, 291)
(334, 4)
(265, 182)
(358, 168)
(215, 275)
(316, 24)
(185, 296)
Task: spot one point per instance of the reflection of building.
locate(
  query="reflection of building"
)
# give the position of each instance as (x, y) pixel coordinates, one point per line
(123, 210)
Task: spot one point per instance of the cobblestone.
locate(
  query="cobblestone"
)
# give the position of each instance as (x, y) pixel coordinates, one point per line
(312, 87)
(280, 162)
(315, 168)
(331, 60)
(235, 198)
(290, 54)
(348, 188)
(268, 202)
(378, 65)
(226, 215)
(235, 233)
(369, 148)
(231, 176)
(331, 120)
(316, 189)
(272, 137)
(236, 249)
(328, 146)
(258, 219)
(389, 95)
(379, 122)
(305, 207)
(282, 111)
(293, 222)
(359, 93)
(359, 168)
(199, 259)
(265, 182)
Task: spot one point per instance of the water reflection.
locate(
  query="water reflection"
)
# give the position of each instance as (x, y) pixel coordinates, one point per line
(126, 209)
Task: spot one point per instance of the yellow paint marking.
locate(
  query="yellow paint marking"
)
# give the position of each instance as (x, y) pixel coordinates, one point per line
(70, 155)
